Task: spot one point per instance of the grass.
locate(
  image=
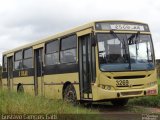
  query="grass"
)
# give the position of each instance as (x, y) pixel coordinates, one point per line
(150, 101)
(13, 103)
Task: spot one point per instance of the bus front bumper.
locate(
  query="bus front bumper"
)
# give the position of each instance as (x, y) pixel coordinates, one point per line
(103, 94)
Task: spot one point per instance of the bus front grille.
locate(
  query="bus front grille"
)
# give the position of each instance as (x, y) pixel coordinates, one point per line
(131, 93)
(136, 86)
(129, 77)
(132, 86)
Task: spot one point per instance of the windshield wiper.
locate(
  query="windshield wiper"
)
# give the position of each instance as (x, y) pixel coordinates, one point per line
(124, 44)
(137, 35)
(134, 35)
(116, 36)
(136, 41)
(131, 41)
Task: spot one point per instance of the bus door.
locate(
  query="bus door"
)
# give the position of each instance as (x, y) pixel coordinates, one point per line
(38, 65)
(10, 72)
(86, 66)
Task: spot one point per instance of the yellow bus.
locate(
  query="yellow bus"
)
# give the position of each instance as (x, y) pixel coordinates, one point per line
(99, 61)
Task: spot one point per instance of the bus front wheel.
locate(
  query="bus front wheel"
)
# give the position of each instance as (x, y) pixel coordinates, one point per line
(70, 94)
(119, 102)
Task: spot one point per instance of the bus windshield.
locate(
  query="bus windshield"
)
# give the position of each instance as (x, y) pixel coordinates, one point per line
(125, 52)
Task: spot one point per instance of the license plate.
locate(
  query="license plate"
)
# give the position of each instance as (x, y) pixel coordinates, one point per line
(151, 92)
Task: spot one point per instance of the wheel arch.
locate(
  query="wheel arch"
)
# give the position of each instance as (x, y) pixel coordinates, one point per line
(65, 86)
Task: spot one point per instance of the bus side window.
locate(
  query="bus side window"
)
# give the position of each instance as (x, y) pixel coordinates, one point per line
(4, 63)
(68, 49)
(52, 53)
(28, 60)
(18, 60)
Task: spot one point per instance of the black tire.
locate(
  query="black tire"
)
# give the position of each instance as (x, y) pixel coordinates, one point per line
(86, 104)
(70, 95)
(119, 102)
(20, 89)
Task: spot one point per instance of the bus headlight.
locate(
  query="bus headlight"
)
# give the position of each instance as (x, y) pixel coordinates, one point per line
(106, 87)
(151, 83)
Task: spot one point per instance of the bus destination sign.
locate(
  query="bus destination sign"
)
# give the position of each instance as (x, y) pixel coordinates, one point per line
(127, 27)
(122, 26)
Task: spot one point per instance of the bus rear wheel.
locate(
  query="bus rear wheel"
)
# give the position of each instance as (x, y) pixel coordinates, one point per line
(70, 94)
(119, 102)
(20, 88)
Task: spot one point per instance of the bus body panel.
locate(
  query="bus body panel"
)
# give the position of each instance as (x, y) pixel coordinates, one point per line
(105, 95)
(27, 82)
(53, 84)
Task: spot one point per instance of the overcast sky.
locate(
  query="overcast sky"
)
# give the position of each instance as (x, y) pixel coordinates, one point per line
(24, 21)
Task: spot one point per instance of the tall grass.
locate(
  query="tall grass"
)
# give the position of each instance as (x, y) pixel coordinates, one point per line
(13, 103)
(152, 101)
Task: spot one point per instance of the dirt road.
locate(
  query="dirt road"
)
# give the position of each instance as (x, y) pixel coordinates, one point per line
(110, 112)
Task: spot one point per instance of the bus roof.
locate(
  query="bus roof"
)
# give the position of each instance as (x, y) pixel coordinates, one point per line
(67, 32)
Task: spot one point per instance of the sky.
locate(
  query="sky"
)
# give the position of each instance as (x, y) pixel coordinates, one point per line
(24, 21)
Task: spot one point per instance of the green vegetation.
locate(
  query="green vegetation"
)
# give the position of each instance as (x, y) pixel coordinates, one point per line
(14, 103)
(152, 101)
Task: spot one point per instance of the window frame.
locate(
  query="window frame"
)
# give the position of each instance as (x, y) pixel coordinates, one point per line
(27, 58)
(16, 60)
(23, 58)
(4, 68)
(62, 50)
(52, 41)
(66, 38)
(53, 52)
